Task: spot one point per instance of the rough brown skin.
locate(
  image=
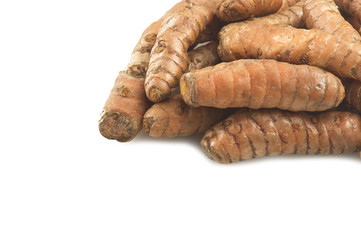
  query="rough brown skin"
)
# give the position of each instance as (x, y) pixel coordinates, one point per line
(173, 118)
(324, 15)
(236, 10)
(352, 7)
(123, 112)
(169, 58)
(262, 84)
(288, 44)
(249, 134)
(353, 93)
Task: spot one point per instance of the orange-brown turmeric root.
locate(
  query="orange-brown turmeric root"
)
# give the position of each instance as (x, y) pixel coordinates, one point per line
(256, 133)
(236, 10)
(353, 93)
(139, 61)
(324, 15)
(174, 118)
(288, 44)
(123, 112)
(262, 84)
(169, 58)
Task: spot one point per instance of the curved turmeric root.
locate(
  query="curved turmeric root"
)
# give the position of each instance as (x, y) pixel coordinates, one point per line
(249, 134)
(236, 10)
(262, 84)
(353, 93)
(173, 118)
(324, 15)
(288, 44)
(123, 112)
(169, 58)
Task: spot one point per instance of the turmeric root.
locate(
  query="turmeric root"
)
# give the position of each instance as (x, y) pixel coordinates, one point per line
(169, 58)
(139, 60)
(236, 10)
(173, 118)
(250, 134)
(353, 93)
(123, 112)
(262, 84)
(324, 15)
(288, 44)
(292, 16)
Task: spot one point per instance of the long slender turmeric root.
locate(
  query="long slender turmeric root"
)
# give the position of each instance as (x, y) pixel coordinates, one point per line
(262, 84)
(324, 15)
(288, 44)
(169, 58)
(249, 134)
(353, 93)
(173, 118)
(236, 10)
(123, 112)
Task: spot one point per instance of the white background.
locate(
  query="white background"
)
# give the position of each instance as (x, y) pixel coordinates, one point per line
(59, 179)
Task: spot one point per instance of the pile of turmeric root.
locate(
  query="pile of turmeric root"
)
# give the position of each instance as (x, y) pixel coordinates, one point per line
(256, 77)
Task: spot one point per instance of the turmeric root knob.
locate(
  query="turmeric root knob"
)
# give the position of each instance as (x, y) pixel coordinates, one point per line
(123, 112)
(117, 126)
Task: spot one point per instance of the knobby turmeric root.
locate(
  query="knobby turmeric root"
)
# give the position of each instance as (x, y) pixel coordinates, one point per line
(262, 84)
(235, 10)
(288, 44)
(123, 112)
(173, 118)
(324, 15)
(353, 93)
(169, 58)
(249, 134)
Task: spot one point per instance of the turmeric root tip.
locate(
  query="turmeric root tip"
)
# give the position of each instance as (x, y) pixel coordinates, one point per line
(117, 126)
